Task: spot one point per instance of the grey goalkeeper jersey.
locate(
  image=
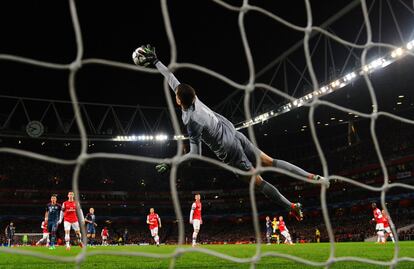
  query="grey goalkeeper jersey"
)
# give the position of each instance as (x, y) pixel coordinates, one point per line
(203, 124)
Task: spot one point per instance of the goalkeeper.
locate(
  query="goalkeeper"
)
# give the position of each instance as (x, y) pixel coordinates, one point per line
(219, 134)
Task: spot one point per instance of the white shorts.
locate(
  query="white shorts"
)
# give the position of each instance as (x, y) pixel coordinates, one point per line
(154, 231)
(379, 227)
(74, 225)
(387, 230)
(104, 237)
(196, 224)
(45, 235)
(285, 233)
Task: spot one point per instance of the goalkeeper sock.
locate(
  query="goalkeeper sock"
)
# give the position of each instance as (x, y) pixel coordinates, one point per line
(291, 168)
(273, 194)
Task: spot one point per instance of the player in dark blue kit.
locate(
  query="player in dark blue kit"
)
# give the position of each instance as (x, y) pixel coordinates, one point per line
(10, 229)
(52, 218)
(90, 221)
(269, 229)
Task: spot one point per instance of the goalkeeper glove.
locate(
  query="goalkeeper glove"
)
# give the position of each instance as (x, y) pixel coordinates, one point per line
(162, 168)
(145, 56)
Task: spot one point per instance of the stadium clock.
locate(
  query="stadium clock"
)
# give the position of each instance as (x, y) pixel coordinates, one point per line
(34, 129)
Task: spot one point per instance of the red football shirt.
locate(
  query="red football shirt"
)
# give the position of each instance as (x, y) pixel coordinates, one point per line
(69, 211)
(153, 220)
(385, 221)
(104, 232)
(377, 215)
(197, 210)
(44, 227)
(282, 226)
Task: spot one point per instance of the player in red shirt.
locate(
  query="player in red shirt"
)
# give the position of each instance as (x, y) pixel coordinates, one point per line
(154, 222)
(387, 228)
(379, 227)
(284, 231)
(70, 218)
(45, 234)
(195, 217)
(104, 235)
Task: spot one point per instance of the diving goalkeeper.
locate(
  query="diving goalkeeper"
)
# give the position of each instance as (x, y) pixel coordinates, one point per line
(230, 146)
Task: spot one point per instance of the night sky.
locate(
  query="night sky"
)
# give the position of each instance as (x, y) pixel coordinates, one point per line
(206, 34)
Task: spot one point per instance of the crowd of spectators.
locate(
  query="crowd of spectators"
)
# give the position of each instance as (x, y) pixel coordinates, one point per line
(122, 192)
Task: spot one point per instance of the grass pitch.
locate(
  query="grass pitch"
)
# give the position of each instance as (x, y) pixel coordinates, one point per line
(312, 252)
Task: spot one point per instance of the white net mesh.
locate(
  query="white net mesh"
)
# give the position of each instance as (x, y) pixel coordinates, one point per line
(248, 88)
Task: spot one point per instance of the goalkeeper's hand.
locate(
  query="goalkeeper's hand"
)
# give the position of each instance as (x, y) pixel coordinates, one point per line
(145, 56)
(162, 168)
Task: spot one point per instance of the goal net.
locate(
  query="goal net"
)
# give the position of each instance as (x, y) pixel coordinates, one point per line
(312, 100)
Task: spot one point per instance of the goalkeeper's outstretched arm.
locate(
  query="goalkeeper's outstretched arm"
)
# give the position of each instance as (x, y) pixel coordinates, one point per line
(172, 80)
(146, 56)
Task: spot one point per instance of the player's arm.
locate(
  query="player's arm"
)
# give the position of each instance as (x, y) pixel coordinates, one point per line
(87, 219)
(172, 80)
(148, 222)
(81, 216)
(62, 209)
(46, 215)
(193, 206)
(194, 130)
(60, 217)
(159, 221)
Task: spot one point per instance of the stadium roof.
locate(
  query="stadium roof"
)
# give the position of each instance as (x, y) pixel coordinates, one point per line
(205, 32)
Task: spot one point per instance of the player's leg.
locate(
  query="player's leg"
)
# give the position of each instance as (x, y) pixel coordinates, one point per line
(88, 237)
(277, 234)
(52, 228)
(286, 235)
(244, 157)
(156, 237)
(266, 160)
(43, 239)
(273, 194)
(40, 240)
(380, 233)
(268, 236)
(76, 228)
(251, 151)
(67, 226)
(154, 234)
(47, 240)
(93, 239)
(288, 238)
(389, 233)
(196, 230)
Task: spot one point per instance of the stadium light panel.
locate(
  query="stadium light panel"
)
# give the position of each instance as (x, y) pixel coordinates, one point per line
(410, 45)
(397, 53)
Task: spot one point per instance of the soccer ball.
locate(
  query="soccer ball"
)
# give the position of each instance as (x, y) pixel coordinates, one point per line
(139, 58)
